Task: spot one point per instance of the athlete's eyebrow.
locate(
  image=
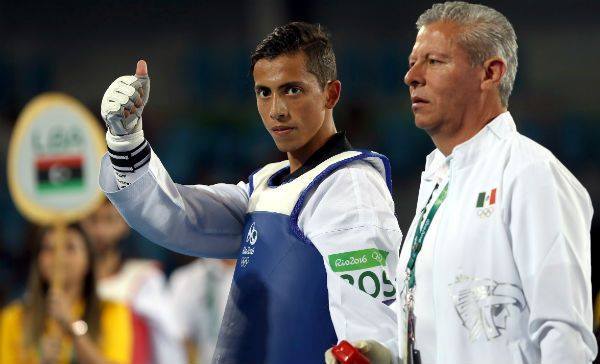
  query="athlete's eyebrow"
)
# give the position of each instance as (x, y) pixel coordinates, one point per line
(260, 87)
(290, 84)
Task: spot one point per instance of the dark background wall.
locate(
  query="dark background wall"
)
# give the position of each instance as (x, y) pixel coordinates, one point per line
(202, 119)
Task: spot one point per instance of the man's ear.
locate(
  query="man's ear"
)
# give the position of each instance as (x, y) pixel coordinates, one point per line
(333, 90)
(494, 69)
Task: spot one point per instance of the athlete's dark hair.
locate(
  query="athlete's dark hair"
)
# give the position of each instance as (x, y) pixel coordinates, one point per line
(312, 39)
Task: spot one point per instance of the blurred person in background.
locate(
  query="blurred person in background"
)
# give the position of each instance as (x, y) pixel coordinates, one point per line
(199, 293)
(70, 324)
(138, 283)
(315, 235)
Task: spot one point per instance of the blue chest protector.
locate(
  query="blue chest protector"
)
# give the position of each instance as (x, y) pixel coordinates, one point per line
(278, 307)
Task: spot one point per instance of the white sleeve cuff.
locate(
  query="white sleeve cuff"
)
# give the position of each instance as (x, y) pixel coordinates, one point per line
(124, 143)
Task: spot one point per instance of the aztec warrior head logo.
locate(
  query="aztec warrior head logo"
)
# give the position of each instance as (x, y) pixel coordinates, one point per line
(485, 307)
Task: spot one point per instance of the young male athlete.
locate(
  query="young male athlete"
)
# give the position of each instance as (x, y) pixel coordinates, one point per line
(315, 236)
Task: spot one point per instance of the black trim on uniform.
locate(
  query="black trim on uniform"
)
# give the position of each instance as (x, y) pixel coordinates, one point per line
(131, 160)
(337, 143)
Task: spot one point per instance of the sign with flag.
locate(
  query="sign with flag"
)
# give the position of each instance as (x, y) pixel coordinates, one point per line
(59, 172)
(54, 160)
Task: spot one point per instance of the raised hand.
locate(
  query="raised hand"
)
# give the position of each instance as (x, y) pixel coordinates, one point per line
(124, 101)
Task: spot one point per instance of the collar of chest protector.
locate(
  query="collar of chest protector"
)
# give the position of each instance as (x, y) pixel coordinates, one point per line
(467, 153)
(338, 143)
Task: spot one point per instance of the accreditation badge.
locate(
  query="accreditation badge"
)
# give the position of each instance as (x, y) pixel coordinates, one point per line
(403, 335)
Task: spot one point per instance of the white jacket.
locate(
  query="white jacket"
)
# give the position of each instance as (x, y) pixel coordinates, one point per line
(505, 273)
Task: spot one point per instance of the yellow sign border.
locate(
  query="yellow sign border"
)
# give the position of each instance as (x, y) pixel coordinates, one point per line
(30, 209)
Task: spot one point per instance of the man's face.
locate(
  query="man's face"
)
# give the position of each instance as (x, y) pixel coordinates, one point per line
(442, 82)
(290, 101)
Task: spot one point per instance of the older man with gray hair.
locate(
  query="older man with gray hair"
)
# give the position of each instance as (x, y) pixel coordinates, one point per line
(496, 264)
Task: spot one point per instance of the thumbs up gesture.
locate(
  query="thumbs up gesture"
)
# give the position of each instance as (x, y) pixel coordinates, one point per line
(124, 101)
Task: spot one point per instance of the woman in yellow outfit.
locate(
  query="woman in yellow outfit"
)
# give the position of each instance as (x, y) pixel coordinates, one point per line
(68, 324)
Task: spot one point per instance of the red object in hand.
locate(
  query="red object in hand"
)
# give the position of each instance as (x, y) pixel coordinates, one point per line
(345, 353)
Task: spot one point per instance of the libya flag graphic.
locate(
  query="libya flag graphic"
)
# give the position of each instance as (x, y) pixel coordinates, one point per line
(485, 199)
(59, 173)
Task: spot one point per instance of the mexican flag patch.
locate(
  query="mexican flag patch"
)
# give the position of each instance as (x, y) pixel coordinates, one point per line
(59, 173)
(485, 199)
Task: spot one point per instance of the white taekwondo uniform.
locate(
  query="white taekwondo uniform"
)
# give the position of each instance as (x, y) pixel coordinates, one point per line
(504, 272)
(342, 207)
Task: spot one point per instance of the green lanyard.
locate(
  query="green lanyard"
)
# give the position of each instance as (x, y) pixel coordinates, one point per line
(421, 231)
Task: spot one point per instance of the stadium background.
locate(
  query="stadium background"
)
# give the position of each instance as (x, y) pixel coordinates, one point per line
(202, 119)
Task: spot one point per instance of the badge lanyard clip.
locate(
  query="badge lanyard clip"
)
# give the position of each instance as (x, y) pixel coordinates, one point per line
(412, 355)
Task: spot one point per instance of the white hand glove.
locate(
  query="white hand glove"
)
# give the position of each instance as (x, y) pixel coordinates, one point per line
(124, 101)
(374, 351)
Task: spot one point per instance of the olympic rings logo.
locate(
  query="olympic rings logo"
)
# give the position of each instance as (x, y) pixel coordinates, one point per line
(485, 212)
(377, 256)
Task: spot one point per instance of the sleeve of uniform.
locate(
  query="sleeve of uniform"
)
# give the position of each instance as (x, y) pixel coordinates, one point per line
(195, 220)
(350, 219)
(549, 216)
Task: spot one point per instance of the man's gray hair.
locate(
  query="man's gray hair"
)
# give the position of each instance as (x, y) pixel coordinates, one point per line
(487, 33)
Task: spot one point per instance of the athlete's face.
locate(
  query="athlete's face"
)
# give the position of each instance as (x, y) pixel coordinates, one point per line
(292, 104)
(442, 82)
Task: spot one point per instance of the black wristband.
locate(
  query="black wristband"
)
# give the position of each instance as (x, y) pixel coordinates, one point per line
(131, 160)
